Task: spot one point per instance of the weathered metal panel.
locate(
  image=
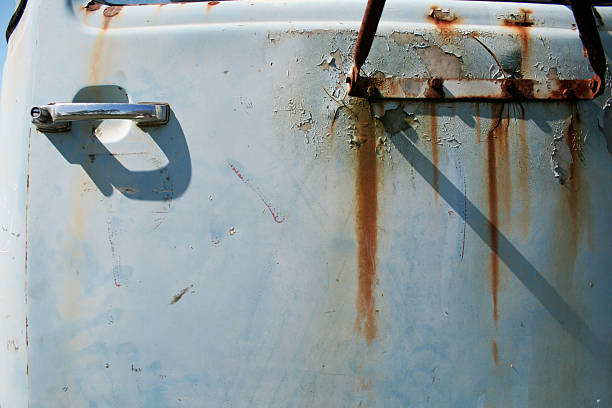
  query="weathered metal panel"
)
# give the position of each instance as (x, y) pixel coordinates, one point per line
(279, 244)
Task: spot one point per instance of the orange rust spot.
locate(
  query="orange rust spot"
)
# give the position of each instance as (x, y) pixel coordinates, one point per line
(441, 17)
(444, 20)
(435, 88)
(517, 88)
(433, 119)
(212, 3)
(495, 352)
(569, 89)
(366, 192)
(112, 11)
(522, 19)
(92, 6)
(109, 13)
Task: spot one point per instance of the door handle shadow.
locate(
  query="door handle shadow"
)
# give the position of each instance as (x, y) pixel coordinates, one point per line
(106, 171)
(559, 309)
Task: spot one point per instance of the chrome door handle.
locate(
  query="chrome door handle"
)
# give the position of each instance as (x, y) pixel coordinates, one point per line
(57, 117)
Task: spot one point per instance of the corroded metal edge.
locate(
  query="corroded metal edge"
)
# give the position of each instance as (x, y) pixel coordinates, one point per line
(467, 88)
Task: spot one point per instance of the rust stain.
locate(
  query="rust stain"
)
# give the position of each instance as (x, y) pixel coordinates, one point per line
(433, 118)
(522, 19)
(575, 205)
(495, 352)
(435, 88)
(366, 192)
(212, 3)
(92, 6)
(444, 20)
(97, 48)
(517, 88)
(109, 13)
(478, 127)
(496, 124)
(504, 183)
(524, 217)
(441, 17)
(569, 89)
(521, 23)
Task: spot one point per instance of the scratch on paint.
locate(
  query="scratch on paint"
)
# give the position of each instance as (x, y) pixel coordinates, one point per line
(273, 211)
(459, 167)
(115, 255)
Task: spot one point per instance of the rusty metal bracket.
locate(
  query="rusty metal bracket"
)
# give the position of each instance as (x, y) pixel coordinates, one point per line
(474, 89)
(589, 35)
(469, 89)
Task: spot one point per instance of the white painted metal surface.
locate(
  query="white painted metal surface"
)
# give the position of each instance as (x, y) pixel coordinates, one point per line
(276, 244)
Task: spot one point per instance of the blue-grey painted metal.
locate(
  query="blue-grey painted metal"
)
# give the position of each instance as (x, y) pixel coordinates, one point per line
(279, 244)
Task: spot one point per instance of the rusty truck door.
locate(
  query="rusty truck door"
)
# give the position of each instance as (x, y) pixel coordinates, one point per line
(273, 242)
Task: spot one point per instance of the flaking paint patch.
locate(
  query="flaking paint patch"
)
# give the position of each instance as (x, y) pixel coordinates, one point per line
(439, 63)
(366, 198)
(403, 38)
(574, 205)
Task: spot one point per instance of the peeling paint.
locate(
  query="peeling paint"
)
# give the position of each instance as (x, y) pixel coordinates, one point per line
(440, 63)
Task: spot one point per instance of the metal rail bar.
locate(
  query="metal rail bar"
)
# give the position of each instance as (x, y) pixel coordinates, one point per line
(506, 89)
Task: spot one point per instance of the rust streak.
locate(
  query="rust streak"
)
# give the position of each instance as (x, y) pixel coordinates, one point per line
(521, 23)
(433, 117)
(496, 114)
(495, 352)
(97, 47)
(576, 208)
(504, 183)
(109, 13)
(366, 224)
